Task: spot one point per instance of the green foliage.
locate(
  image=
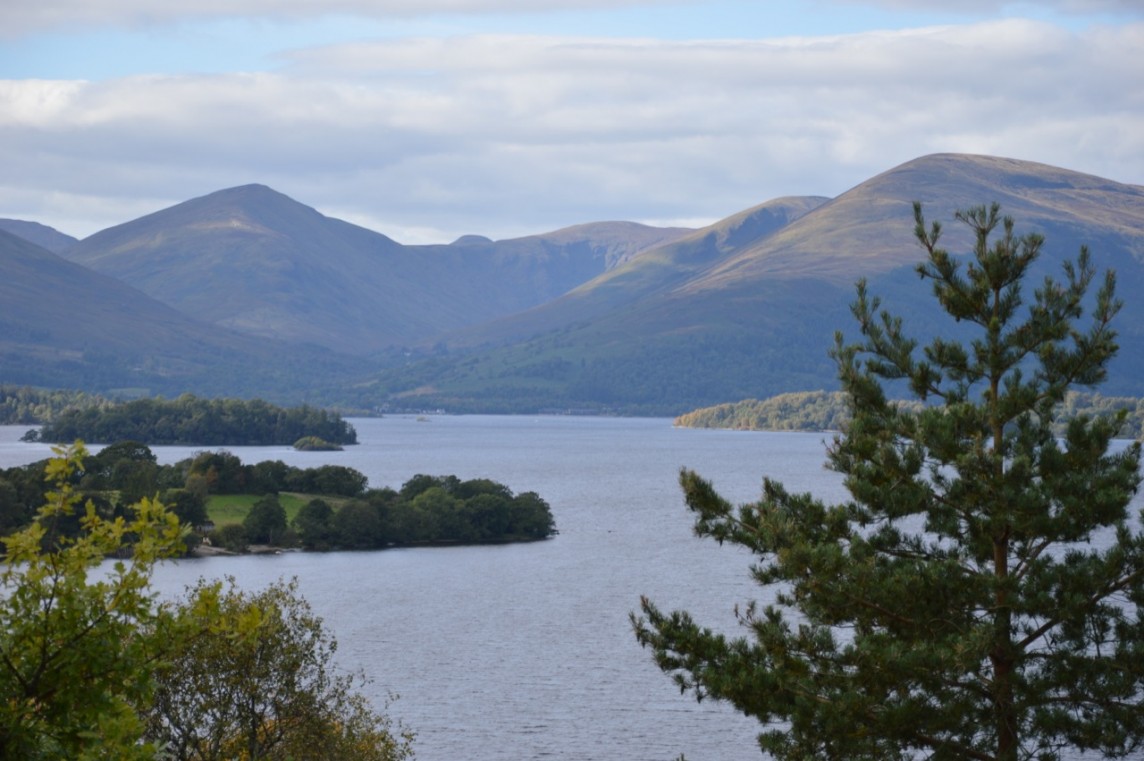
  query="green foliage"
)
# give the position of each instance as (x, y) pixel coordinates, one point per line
(332, 480)
(798, 411)
(13, 514)
(664, 374)
(315, 444)
(260, 504)
(221, 472)
(233, 508)
(314, 525)
(1127, 408)
(231, 537)
(75, 657)
(128, 467)
(827, 411)
(22, 404)
(980, 595)
(191, 420)
(189, 506)
(427, 510)
(260, 683)
(92, 667)
(266, 521)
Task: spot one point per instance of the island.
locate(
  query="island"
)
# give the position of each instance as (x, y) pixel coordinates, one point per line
(233, 507)
(827, 411)
(190, 420)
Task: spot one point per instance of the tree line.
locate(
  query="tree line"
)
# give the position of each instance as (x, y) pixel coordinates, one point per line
(828, 411)
(188, 419)
(426, 510)
(24, 405)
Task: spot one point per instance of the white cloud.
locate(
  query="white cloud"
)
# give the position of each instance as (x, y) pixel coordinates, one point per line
(29, 16)
(26, 16)
(502, 135)
(1079, 7)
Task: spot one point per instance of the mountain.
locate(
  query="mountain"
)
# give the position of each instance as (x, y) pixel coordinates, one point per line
(651, 271)
(694, 323)
(256, 261)
(848, 237)
(63, 325)
(248, 292)
(42, 235)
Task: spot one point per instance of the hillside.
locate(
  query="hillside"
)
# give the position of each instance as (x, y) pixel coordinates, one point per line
(848, 237)
(255, 261)
(654, 270)
(674, 329)
(42, 235)
(246, 291)
(63, 325)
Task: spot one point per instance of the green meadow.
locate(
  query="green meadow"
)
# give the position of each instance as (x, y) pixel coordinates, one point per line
(223, 509)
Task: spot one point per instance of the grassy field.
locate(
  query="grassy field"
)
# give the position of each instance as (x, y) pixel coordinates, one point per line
(232, 508)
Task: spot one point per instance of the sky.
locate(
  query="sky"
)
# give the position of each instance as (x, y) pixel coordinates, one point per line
(426, 120)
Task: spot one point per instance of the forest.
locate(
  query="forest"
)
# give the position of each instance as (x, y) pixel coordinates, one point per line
(24, 405)
(186, 419)
(826, 411)
(339, 509)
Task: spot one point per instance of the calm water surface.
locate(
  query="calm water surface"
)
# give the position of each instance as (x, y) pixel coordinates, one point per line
(525, 651)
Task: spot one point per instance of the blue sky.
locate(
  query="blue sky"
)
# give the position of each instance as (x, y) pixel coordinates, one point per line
(244, 43)
(428, 119)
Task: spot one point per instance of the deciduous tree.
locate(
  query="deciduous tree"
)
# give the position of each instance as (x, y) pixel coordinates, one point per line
(266, 521)
(75, 657)
(979, 596)
(261, 684)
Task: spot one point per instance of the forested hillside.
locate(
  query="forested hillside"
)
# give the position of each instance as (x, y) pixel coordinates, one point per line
(826, 411)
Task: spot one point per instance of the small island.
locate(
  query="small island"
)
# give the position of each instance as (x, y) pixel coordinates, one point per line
(316, 444)
(799, 411)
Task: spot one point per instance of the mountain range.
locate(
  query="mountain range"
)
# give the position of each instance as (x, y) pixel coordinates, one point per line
(247, 292)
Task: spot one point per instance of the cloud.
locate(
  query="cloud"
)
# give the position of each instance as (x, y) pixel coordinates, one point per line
(507, 135)
(27, 16)
(1078, 7)
(23, 17)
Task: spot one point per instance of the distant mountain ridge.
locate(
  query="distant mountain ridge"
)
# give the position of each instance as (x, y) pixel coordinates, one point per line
(254, 260)
(65, 326)
(653, 270)
(691, 322)
(42, 235)
(608, 316)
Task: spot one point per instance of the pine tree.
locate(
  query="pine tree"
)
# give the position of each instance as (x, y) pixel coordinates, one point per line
(979, 595)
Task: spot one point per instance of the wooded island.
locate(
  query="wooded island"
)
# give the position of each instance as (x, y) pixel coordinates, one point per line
(229, 505)
(826, 411)
(187, 419)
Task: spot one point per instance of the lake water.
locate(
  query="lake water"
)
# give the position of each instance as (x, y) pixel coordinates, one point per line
(525, 651)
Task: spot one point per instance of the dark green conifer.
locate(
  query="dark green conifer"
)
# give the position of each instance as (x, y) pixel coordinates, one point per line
(979, 596)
